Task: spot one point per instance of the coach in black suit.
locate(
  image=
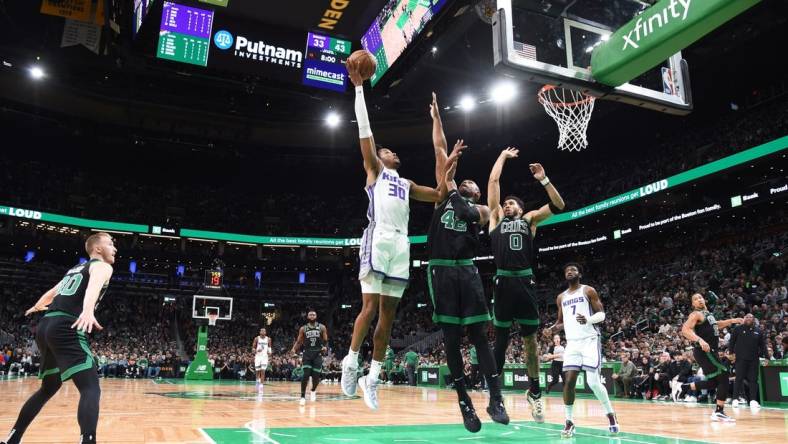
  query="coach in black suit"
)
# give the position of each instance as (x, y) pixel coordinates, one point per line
(748, 344)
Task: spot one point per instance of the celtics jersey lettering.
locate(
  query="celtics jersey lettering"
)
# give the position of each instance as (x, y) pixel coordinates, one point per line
(450, 237)
(71, 290)
(708, 330)
(512, 244)
(313, 337)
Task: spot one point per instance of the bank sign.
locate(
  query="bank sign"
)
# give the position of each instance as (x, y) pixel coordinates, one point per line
(262, 50)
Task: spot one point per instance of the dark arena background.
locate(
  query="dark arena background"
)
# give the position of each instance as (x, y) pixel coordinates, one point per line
(215, 141)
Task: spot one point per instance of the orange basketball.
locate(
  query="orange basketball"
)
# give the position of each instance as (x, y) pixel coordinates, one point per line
(367, 64)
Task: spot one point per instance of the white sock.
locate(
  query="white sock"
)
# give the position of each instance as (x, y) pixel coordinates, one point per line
(353, 357)
(568, 409)
(374, 370)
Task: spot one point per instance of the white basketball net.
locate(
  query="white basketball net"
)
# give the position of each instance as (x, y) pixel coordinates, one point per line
(571, 110)
(212, 319)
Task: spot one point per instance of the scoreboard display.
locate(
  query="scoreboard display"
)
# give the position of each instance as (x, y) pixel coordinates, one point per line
(213, 278)
(324, 65)
(185, 34)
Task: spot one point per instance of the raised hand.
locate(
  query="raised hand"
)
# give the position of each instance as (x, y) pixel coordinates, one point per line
(510, 153)
(352, 70)
(434, 110)
(456, 152)
(537, 170)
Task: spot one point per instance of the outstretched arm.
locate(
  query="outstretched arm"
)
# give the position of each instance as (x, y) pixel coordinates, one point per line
(494, 186)
(726, 323)
(437, 195)
(43, 302)
(438, 141)
(462, 209)
(556, 202)
(372, 164)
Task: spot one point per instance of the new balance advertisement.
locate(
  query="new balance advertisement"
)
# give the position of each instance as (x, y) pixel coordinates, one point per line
(262, 50)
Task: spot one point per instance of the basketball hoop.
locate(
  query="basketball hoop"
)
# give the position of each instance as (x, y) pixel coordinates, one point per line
(212, 317)
(571, 111)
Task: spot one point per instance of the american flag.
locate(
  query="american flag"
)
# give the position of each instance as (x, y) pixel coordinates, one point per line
(525, 50)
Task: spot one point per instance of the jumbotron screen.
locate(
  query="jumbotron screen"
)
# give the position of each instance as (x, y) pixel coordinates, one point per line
(395, 28)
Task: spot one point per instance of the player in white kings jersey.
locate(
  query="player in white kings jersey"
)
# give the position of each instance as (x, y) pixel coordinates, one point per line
(579, 310)
(385, 249)
(262, 349)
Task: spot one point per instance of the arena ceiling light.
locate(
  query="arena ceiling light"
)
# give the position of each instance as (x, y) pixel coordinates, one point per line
(503, 91)
(36, 72)
(332, 120)
(467, 103)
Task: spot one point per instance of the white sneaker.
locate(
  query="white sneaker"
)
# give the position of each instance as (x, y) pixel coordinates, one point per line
(722, 417)
(313, 396)
(537, 406)
(349, 380)
(754, 404)
(735, 403)
(370, 390)
(690, 399)
(302, 402)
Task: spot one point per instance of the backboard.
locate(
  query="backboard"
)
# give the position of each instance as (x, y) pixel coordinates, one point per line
(203, 305)
(552, 41)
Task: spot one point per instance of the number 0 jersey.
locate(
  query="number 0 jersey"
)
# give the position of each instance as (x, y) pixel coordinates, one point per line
(512, 244)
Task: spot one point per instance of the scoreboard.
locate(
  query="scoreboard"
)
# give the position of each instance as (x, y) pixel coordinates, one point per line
(324, 64)
(185, 34)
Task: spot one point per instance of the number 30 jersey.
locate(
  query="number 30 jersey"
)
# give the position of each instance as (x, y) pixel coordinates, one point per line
(512, 244)
(389, 204)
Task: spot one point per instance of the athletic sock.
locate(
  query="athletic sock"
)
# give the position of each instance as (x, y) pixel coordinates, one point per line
(720, 409)
(88, 438)
(374, 370)
(568, 410)
(534, 388)
(353, 356)
(494, 385)
(13, 437)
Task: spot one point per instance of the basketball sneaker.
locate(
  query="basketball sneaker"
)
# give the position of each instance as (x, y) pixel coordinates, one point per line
(569, 430)
(497, 412)
(302, 402)
(469, 418)
(754, 404)
(722, 417)
(370, 389)
(313, 396)
(613, 427)
(537, 406)
(349, 377)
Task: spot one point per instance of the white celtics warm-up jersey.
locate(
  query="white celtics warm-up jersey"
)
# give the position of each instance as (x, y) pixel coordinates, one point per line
(574, 303)
(389, 204)
(262, 346)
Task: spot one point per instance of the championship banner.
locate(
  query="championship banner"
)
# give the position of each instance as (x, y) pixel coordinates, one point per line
(91, 11)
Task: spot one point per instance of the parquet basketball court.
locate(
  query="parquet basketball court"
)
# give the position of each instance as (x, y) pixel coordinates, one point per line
(174, 411)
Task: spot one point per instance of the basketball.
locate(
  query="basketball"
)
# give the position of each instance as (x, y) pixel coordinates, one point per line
(367, 64)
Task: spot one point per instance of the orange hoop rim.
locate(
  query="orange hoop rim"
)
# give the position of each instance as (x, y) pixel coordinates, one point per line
(543, 90)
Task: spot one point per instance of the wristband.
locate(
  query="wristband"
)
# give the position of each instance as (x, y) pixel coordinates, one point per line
(545, 181)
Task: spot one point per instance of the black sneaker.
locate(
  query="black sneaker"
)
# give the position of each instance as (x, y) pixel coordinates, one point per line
(497, 412)
(469, 418)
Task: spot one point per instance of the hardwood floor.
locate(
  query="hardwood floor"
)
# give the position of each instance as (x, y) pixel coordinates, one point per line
(144, 411)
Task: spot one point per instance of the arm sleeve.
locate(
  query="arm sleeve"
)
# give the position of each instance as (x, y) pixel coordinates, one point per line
(462, 210)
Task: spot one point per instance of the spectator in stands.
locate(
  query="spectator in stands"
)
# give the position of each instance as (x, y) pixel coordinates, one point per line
(623, 379)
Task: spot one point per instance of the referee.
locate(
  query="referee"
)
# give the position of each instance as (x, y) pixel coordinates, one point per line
(748, 344)
(557, 357)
